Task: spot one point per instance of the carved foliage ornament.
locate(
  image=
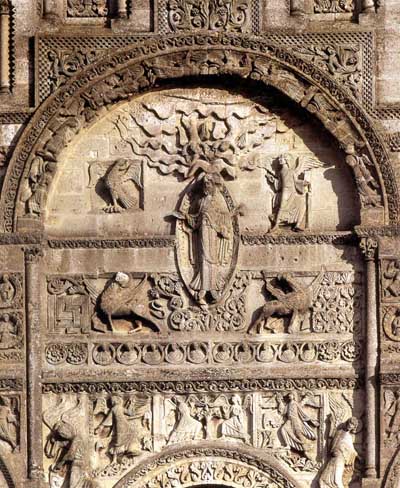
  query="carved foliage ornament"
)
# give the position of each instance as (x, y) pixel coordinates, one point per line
(87, 8)
(142, 76)
(333, 6)
(215, 15)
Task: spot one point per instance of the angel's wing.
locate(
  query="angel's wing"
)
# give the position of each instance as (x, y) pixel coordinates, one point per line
(305, 163)
(96, 170)
(221, 401)
(340, 411)
(52, 414)
(137, 406)
(309, 401)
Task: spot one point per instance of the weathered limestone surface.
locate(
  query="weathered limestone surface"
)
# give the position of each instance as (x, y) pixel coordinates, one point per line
(199, 243)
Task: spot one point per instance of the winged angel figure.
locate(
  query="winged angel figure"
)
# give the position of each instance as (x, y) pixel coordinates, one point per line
(65, 444)
(338, 471)
(292, 191)
(119, 428)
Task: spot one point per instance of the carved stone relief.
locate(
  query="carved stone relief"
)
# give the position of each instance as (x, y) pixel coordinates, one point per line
(122, 429)
(333, 6)
(234, 142)
(85, 8)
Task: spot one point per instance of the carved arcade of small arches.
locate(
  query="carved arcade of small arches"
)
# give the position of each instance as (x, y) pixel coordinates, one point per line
(201, 274)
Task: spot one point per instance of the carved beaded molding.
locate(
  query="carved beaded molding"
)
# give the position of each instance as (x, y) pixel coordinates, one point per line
(154, 60)
(182, 458)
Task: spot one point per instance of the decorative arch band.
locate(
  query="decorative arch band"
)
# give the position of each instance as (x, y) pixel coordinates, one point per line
(140, 68)
(234, 467)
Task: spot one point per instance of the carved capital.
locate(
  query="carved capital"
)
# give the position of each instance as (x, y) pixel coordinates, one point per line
(33, 254)
(368, 247)
(5, 7)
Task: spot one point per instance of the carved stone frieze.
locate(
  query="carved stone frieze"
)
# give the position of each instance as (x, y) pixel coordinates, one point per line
(123, 429)
(330, 302)
(220, 353)
(85, 8)
(61, 354)
(333, 6)
(229, 15)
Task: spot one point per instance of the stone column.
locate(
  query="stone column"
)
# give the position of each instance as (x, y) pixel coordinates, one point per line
(122, 9)
(5, 12)
(368, 6)
(33, 258)
(368, 247)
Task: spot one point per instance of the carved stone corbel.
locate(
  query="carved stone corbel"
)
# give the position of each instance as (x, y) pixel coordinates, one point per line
(369, 246)
(368, 6)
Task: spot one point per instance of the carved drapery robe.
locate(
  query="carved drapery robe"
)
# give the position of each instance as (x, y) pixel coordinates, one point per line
(211, 242)
(343, 456)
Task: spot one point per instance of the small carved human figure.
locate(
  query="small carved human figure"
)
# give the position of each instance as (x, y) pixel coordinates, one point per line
(292, 197)
(8, 333)
(7, 291)
(187, 428)
(234, 426)
(295, 303)
(8, 423)
(339, 468)
(297, 431)
(367, 186)
(118, 424)
(392, 275)
(210, 227)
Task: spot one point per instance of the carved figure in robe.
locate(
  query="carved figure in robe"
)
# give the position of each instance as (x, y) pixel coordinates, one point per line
(234, 426)
(292, 192)
(211, 234)
(295, 303)
(367, 186)
(339, 468)
(7, 291)
(8, 423)
(8, 333)
(119, 425)
(65, 444)
(298, 430)
(187, 428)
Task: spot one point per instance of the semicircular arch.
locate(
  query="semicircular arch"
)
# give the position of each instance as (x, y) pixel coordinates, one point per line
(212, 464)
(139, 68)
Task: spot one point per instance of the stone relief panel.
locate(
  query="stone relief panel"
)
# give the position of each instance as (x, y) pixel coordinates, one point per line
(244, 147)
(98, 437)
(11, 317)
(263, 318)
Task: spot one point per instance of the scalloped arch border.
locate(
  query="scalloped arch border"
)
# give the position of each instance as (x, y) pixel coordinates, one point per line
(184, 456)
(140, 58)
